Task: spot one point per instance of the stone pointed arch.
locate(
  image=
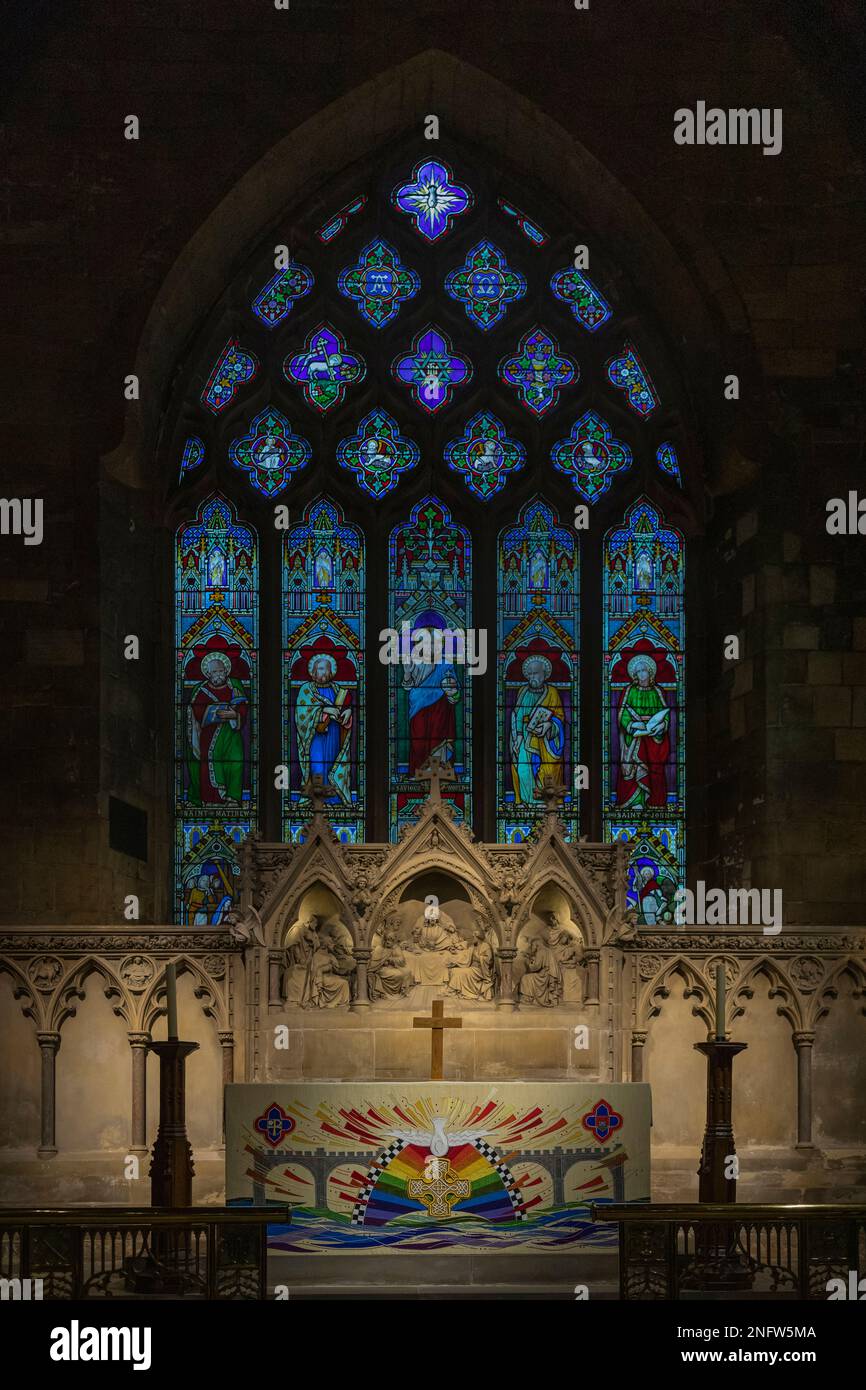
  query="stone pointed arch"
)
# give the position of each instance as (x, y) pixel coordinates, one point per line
(35, 1004)
(554, 863)
(827, 992)
(690, 294)
(781, 988)
(70, 991)
(319, 860)
(206, 990)
(436, 843)
(653, 995)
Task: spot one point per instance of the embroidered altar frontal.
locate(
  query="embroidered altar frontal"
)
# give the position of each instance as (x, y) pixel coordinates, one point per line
(437, 1165)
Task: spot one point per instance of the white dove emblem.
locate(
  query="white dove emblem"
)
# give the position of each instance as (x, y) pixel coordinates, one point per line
(437, 1140)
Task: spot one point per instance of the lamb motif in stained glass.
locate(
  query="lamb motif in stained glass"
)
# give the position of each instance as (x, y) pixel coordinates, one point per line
(325, 368)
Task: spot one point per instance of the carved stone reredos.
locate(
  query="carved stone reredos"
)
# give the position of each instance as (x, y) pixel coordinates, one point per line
(502, 881)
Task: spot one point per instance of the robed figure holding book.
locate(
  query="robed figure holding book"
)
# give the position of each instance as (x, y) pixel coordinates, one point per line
(645, 742)
(323, 719)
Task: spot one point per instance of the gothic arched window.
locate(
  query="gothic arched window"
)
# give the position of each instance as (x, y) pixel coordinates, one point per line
(431, 394)
(216, 707)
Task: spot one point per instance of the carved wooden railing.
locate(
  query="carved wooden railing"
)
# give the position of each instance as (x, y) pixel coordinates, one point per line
(117, 1252)
(670, 1251)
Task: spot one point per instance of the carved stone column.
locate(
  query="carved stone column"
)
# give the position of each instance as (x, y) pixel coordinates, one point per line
(362, 999)
(275, 961)
(593, 975)
(139, 1043)
(505, 955)
(48, 1045)
(227, 1043)
(803, 1043)
(637, 1054)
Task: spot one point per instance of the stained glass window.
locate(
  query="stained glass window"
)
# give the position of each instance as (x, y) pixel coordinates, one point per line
(324, 368)
(232, 369)
(377, 453)
(485, 285)
(277, 298)
(666, 458)
(484, 455)
(538, 691)
(431, 369)
(270, 452)
(192, 456)
(337, 224)
(629, 374)
(538, 371)
(530, 229)
(644, 706)
(430, 687)
(216, 692)
(587, 303)
(378, 283)
(431, 339)
(591, 455)
(432, 199)
(323, 669)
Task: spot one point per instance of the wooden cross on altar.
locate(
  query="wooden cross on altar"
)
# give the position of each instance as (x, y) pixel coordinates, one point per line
(435, 771)
(318, 792)
(437, 1023)
(551, 793)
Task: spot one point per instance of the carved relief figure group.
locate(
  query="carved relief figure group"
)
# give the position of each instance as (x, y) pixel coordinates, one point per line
(320, 967)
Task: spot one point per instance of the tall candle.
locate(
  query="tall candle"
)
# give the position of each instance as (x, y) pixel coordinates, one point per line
(171, 999)
(720, 1001)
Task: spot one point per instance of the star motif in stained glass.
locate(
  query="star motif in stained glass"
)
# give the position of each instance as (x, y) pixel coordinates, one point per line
(591, 456)
(538, 372)
(276, 300)
(666, 458)
(432, 198)
(589, 307)
(325, 368)
(378, 283)
(485, 284)
(377, 453)
(629, 374)
(231, 370)
(270, 452)
(431, 369)
(484, 455)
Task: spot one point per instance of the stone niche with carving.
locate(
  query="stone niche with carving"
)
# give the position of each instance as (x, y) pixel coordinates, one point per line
(514, 939)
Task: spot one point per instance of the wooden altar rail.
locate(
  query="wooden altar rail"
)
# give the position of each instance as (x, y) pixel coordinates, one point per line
(136, 1252)
(671, 1251)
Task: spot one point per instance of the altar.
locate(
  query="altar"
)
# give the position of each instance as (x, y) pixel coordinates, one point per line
(453, 1167)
